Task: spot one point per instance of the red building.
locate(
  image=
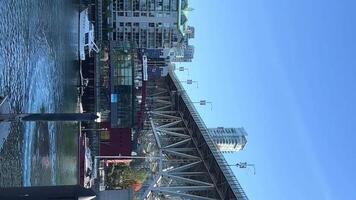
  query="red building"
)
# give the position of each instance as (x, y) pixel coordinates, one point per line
(115, 141)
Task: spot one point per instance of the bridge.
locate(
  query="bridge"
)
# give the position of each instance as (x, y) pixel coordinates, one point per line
(189, 165)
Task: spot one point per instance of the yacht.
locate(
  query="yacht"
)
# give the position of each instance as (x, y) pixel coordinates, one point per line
(86, 36)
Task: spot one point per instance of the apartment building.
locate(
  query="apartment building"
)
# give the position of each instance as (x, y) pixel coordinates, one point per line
(151, 24)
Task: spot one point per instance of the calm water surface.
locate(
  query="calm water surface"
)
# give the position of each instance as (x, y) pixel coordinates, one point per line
(38, 72)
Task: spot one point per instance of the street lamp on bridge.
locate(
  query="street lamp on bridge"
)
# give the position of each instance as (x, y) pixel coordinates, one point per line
(244, 165)
(190, 82)
(182, 69)
(203, 102)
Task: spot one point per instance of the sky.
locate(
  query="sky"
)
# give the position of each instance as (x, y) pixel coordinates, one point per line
(285, 71)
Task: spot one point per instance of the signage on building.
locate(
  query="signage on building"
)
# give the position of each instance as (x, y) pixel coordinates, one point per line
(144, 67)
(114, 98)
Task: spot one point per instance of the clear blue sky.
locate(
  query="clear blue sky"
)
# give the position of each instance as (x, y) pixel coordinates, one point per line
(286, 71)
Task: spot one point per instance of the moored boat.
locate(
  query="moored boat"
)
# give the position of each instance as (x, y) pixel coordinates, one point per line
(86, 36)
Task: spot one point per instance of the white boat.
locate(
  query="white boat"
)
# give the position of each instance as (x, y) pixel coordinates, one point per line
(86, 36)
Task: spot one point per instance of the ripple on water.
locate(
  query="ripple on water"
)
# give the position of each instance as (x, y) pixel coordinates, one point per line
(32, 62)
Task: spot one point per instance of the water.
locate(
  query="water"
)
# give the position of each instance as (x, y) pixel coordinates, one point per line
(38, 46)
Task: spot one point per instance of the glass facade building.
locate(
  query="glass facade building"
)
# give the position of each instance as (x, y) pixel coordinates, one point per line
(121, 89)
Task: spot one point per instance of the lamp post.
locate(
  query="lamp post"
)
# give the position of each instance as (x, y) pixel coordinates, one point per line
(204, 102)
(182, 69)
(189, 82)
(244, 165)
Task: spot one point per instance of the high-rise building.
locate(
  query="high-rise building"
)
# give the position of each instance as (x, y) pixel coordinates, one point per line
(228, 140)
(152, 24)
(190, 32)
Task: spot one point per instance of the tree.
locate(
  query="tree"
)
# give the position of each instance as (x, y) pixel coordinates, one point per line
(123, 176)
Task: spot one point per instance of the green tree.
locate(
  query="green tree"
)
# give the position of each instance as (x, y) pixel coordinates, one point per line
(123, 176)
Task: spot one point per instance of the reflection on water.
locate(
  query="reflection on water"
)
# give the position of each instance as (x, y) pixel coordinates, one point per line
(38, 46)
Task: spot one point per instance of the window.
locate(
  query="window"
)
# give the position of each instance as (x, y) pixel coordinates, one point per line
(105, 135)
(151, 24)
(114, 35)
(86, 38)
(120, 36)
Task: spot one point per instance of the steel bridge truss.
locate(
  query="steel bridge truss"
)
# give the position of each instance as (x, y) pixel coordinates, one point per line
(181, 171)
(189, 166)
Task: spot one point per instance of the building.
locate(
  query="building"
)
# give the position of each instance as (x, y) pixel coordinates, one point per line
(151, 24)
(190, 32)
(115, 141)
(184, 53)
(122, 95)
(228, 139)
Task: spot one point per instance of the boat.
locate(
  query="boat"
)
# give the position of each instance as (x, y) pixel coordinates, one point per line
(86, 36)
(2, 100)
